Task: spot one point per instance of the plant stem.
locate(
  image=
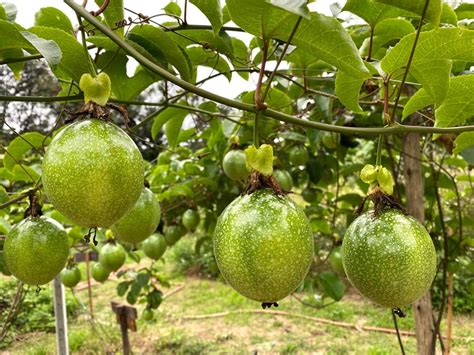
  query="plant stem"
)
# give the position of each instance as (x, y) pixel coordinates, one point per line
(394, 317)
(410, 58)
(92, 70)
(378, 159)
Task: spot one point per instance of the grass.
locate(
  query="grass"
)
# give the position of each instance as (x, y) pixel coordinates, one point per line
(169, 333)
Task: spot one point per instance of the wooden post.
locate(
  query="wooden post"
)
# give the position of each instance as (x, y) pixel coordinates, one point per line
(414, 189)
(60, 316)
(89, 288)
(126, 317)
(449, 320)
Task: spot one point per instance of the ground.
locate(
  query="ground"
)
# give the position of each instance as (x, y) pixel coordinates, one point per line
(171, 333)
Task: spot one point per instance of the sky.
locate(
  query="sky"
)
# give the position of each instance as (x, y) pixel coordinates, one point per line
(28, 8)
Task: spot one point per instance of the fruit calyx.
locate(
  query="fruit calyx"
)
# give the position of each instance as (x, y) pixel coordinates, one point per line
(269, 305)
(259, 181)
(34, 208)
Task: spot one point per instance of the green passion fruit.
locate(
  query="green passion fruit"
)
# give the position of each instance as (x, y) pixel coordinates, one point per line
(263, 245)
(3, 266)
(389, 259)
(99, 273)
(71, 276)
(112, 256)
(298, 156)
(154, 246)
(190, 219)
(283, 179)
(93, 173)
(36, 250)
(141, 221)
(235, 165)
(174, 233)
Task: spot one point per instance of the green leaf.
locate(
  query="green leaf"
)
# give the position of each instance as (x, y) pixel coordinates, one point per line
(385, 180)
(113, 14)
(115, 65)
(260, 159)
(347, 88)
(220, 42)
(52, 17)
(22, 144)
(457, 107)
(332, 285)
(373, 12)
(48, 48)
(384, 33)
(173, 9)
(240, 58)
(332, 44)
(73, 61)
(368, 174)
(298, 7)
(463, 141)
(431, 64)
(10, 10)
(3, 195)
(159, 43)
(200, 56)
(465, 11)
(169, 113)
(448, 15)
(122, 288)
(25, 173)
(433, 13)
(213, 11)
(4, 226)
(320, 225)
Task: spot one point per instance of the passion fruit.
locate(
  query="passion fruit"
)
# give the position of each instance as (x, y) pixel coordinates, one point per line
(263, 245)
(93, 173)
(112, 256)
(235, 165)
(71, 276)
(154, 246)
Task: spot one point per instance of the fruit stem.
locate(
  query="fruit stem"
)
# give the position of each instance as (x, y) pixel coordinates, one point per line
(378, 159)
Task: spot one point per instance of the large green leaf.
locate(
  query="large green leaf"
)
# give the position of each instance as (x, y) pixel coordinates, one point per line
(463, 141)
(159, 43)
(465, 11)
(115, 65)
(213, 11)
(455, 110)
(332, 285)
(240, 59)
(220, 42)
(433, 13)
(373, 12)
(200, 56)
(22, 144)
(298, 7)
(113, 14)
(73, 61)
(385, 33)
(10, 11)
(320, 35)
(52, 17)
(48, 48)
(431, 64)
(169, 114)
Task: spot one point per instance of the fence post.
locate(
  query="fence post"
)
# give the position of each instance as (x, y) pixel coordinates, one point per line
(60, 317)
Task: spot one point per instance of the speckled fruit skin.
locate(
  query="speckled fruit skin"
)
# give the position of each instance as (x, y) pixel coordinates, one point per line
(93, 173)
(36, 250)
(112, 256)
(141, 221)
(389, 259)
(154, 246)
(99, 273)
(71, 277)
(263, 245)
(235, 166)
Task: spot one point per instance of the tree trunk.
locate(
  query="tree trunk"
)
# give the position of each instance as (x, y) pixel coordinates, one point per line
(424, 325)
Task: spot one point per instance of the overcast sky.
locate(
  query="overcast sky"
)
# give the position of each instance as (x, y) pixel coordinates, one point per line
(28, 8)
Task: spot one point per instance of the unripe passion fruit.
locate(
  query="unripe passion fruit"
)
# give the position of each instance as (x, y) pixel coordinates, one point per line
(389, 259)
(283, 179)
(112, 256)
(70, 277)
(36, 250)
(93, 173)
(173, 233)
(235, 166)
(190, 219)
(298, 156)
(99, 273)
(154, 246)
(335, 260)
(141, 221)
(263, 245)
